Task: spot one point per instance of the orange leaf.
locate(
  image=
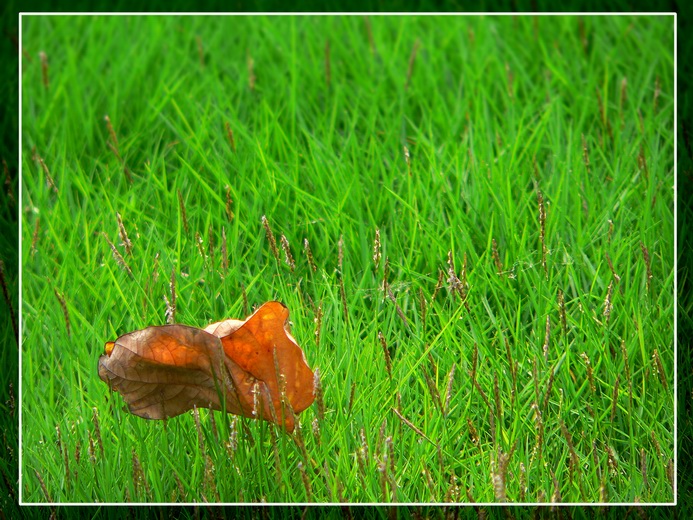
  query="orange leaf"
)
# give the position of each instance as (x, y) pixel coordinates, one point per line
(234, 365)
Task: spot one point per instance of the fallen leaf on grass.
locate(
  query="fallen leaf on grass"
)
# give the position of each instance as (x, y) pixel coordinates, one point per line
(232, 365)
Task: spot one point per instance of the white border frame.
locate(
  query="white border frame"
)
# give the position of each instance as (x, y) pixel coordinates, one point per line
(365, 504)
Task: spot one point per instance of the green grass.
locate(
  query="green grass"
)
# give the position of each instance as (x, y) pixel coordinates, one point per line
(491, 110)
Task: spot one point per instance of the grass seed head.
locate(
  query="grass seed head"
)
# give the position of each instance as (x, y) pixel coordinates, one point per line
(200, 246)
(44, 69)
(539, 424)
(229, 136)
(183, 213)
(229, 204)
(62, 448)
(547, 338)
(454, 283)
(409, 424)
(590, 374)
(309, 255)
(224, 252)
(642, 162)
(92, 450)
(382, 473)
(549, 387)
(340, 254)
(66, 315)
(288, 257)
(432, 389)
(542, 231)
(473, 433)
(646, 256)
(115, 151)
(246, 306)
(386, 353)
(556, 495)
(232, 444)
(111, 132)
(171, 305)
(389, 450)
(352, 394)
(213, 423)
(118, 257)
(386, 276)
(496, 396)
(448, 391)
(306, 481)
(317, 390)
(586, 155)
(429, 483)
(97, 429)
(270, 238)
(179, 487)
(364, 444)
(657, 446)
(376, 249)
(657, 93)
(643, 468)
(659, 368)
(124, 240)
(603, 492)
(617, 278)
(138, 477)
(44, 489)
(318, 323)
(671, 475)
(47, 174)
(612, 460)
(574, 459)
(624, 94)
(439, 284)
(496, 258)
(315, 426)
(608, 305)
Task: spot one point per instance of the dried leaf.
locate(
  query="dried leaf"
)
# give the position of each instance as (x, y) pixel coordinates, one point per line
(164, 371)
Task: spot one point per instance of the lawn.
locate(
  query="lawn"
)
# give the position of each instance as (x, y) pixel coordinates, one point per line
(474, 227)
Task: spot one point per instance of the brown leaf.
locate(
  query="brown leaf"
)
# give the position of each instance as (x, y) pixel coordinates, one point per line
(165, 371)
